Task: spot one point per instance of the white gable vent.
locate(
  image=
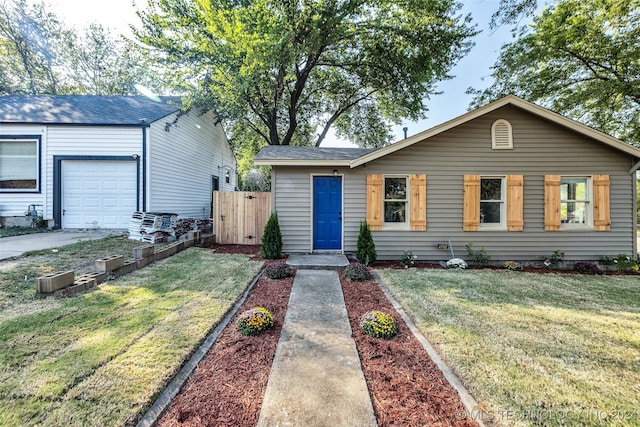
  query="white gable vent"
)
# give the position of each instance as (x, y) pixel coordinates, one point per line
(501, 137)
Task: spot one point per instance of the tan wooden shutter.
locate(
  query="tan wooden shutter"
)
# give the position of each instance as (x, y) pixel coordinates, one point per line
(515, 203)
(375, 199)
(601, 205)
(471, 203)
(552, 202)
(418, 202)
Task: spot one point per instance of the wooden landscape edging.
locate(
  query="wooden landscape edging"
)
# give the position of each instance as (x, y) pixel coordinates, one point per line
(239, 217)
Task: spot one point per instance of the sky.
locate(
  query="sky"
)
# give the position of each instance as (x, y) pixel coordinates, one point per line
(474, 70)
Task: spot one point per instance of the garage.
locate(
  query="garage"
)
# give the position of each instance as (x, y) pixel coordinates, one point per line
(98, 193)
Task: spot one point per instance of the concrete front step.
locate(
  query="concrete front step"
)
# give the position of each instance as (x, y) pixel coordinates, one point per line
(318, 261)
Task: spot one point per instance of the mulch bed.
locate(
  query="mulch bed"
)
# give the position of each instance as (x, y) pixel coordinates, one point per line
(406, 387)
(227, 387)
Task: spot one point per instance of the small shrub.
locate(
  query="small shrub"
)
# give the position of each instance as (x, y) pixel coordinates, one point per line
(478, 256)
(624, 262)
(408, 259)
(553, 261)
(254, 321)
(585, 267)
(366, 249)
(278, 270)
(272, 239)
(379, 325)
(456, 263)
(512, 265)
(357, 272)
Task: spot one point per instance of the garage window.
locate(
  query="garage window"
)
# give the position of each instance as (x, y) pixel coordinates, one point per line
(19, 165)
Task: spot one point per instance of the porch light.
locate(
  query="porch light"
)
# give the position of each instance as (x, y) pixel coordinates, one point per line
(335, 172)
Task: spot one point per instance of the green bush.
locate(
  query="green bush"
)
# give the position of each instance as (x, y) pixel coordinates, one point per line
(379, 325)
(272, 239)
(366, 249)
(553, 261)
(478, 256)
(407, 259)
(357, 272)
(278, 270)
(254, 321)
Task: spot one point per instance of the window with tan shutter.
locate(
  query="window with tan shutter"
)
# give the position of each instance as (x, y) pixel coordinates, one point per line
(397, 202)
(493, 203)
(576, 202)
(501, 135)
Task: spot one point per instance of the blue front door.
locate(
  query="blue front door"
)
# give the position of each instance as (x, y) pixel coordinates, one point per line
(327, 213)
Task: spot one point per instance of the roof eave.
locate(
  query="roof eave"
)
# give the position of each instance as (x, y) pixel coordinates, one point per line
(300, 162)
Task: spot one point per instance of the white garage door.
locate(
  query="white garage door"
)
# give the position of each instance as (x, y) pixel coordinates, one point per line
(98, 194)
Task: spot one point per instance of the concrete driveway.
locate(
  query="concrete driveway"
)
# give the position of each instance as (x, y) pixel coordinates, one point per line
(11, 247)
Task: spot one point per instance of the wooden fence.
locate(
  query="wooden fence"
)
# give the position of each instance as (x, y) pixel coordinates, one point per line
(239, 217)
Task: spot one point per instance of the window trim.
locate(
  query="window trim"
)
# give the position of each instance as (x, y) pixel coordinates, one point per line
(497, 143)
(502, 225)
(589, 202)
(407, 213)
(27, 138)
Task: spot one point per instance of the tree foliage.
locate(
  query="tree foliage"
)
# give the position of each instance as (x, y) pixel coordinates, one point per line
(580, 59)
(39, 54)
(288, 71)
(31, 48)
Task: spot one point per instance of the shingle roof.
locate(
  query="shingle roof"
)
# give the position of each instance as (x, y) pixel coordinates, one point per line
(85, 109)
(285, 152)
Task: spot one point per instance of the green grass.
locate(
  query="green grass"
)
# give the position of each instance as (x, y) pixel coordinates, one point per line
(19, 231)
(101, 358)
(534, 349)
(17, 284)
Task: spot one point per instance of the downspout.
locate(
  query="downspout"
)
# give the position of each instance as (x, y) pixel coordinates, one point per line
(144, 168)
(634, 185)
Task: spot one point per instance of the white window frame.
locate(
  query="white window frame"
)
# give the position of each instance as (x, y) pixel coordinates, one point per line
(395, 225)
(499, 143)
(25, 139)
(502, 225)
(588, 201)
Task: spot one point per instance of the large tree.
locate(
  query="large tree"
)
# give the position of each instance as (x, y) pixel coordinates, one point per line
(31, 44)
(39, 54)
(579, 58)
(290, 70)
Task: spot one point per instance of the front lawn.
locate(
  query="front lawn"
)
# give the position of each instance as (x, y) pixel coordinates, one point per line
(101, 358)
(534, 349)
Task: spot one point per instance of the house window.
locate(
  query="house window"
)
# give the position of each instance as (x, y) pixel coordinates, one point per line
(492, 202)
(501, 135)
(395, 200)
(574, 201)
(19, 165)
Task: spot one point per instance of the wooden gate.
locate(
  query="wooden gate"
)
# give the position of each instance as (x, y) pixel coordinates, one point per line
(239, 217)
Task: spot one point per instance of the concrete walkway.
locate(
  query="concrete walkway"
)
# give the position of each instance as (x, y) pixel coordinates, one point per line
(316, 378)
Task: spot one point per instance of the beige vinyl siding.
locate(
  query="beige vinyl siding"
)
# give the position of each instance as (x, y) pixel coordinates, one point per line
(87, 141)
(539, 148)
(182, 161)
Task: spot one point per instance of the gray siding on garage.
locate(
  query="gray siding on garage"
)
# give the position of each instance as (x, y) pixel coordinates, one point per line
(540, 148)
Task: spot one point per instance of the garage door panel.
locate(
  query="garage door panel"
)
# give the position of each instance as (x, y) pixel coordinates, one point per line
(98, 193)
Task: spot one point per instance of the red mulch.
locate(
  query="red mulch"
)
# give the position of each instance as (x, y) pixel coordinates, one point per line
(227, 387)
(406, 387)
